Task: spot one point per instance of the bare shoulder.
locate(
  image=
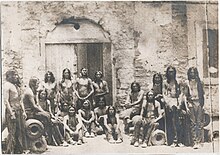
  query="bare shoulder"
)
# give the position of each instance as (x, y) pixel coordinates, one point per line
(96, 110)
(157, 104)
(7, 85)
(90, 80)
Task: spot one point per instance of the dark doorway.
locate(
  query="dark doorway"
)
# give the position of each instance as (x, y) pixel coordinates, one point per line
(94, 57)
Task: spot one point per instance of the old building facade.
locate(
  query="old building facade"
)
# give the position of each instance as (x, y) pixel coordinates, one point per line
(128, 41)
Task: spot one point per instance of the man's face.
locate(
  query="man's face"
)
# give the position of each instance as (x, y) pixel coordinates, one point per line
(65, 107)
(111, 110)
(84, 72)
(150, 96)
(15, 77)
(37, 84)
(101, 102)
(193, 74)
(157, 79)
(43, 95)
(135, 87)
(171, 72)
(66, 74)
(86, 105)
(72, 112)
(48, 76)
(98, 75)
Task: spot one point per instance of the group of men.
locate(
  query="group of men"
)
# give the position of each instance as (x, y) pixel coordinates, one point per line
(72, 109)
(176, 108)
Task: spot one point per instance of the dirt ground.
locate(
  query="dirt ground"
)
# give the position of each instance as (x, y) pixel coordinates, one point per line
(100, 145)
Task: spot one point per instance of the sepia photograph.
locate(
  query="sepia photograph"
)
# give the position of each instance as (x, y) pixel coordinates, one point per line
(119, 77)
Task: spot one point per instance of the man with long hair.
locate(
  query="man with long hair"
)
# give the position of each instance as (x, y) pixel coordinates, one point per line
(50, 86)
(195, 105)
(171, 96)
(112, 124)
(100, 87)
(88, 119)
(73, 127)
(66, 89)
(100, 112)
(15, 114)
(150, 114)
(32, 107)
(83, 88)
(132, 104)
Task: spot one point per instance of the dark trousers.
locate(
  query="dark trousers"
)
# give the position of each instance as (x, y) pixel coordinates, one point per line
(16, 140)
(196, 117)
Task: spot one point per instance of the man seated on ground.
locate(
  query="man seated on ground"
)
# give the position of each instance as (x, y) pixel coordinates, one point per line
(100, 112)
(88, 119)
(73, 127)
(133, 105)
(150, 114)
(112, 124)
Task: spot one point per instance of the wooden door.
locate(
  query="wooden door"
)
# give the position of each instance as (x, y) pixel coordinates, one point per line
(59, 57)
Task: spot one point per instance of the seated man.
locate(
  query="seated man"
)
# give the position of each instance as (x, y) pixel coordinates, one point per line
(150, 114)
(32, 107)
(88, 118)
(112, 124)
(56, 136)
(100, 112)
(133, 105)
(73, 127)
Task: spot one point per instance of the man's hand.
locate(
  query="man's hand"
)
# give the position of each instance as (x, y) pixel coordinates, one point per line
(24, 115)
(13, 115)
(127, 106)
(71, 132)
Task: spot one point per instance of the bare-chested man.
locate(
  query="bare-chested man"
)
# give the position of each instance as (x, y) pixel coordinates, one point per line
(88, 118)
(84, 88)
(100, 87)
(100, 112)
(15, 114)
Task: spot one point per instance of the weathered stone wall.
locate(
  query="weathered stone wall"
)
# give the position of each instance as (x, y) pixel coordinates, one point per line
(146, 37)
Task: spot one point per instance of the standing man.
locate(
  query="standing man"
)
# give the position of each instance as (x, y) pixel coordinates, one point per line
(195, 105)
(171, 96)
(15, 114)
(84, 88)
(100, 87)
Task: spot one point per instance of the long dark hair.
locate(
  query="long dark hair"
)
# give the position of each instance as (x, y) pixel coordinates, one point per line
(63, 78)
(81, 71)
(32, 82)
(169, 78)
(52, 78)
(100, 72)
(40, 91)
(199, 84)
(107, 111)
(9, 77)
(135, 83)
(161, 81)
(147, 98)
